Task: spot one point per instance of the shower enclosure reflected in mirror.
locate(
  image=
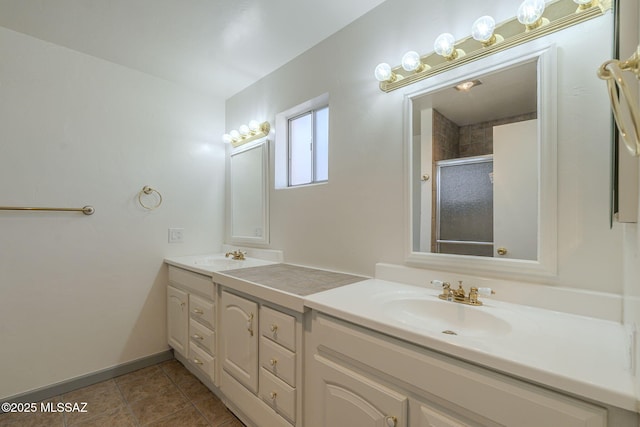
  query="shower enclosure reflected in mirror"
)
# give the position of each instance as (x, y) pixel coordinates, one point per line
(249, 194)
(477, 175)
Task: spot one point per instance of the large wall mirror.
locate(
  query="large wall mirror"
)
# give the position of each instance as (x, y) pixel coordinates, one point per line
(249, 193)
(481, 165)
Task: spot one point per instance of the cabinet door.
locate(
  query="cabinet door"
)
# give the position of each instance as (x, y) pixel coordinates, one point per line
(239, 331)
(177, 319)
(350, 399)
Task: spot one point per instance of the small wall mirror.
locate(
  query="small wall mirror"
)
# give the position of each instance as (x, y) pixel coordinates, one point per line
(477, 140)
(249, 193)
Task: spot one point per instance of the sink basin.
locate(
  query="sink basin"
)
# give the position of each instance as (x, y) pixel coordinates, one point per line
(446, 317)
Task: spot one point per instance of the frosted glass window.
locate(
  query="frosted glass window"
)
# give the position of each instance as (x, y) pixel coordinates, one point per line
(309, 147)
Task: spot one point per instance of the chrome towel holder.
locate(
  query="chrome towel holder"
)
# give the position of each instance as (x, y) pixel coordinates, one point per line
(146, 190)
(627, 119)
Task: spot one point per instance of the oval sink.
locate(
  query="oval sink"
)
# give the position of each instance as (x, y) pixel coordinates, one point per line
(446, 317)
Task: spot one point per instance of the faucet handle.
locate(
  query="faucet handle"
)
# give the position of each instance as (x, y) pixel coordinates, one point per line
(439, 284)
(486, 291)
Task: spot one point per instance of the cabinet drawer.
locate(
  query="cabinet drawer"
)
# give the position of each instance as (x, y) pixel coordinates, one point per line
(278, 395)
(192, 281)
(202, 336)
(202, 360)
(278, 327)
(278, 360)
(202, 310)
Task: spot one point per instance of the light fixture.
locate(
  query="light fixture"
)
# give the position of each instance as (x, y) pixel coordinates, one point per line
(467, 86)
(411, 62)
(383, 73)
(530, 14)
(488, 38)
(483, 29)
(445, 46)
(246, 133)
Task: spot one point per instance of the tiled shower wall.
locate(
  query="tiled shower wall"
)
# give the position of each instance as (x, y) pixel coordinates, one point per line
(452, 141)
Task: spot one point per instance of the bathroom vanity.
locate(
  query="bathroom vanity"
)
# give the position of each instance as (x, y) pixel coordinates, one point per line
(285, 345)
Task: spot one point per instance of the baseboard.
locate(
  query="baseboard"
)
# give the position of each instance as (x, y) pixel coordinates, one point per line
(89, 379)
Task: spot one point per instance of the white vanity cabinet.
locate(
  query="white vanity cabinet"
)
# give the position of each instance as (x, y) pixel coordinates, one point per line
(261, 368)
(191, 319)
(356, 376)
(177, 319)
(239, 318)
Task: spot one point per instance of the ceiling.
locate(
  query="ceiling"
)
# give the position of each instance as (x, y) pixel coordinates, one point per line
(506, 93)
(216, 46)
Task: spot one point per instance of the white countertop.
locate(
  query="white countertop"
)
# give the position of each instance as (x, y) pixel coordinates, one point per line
(209, 264)
(580, 355)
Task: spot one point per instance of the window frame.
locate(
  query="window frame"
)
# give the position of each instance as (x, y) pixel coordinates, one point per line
(313, 147)
(282, 163)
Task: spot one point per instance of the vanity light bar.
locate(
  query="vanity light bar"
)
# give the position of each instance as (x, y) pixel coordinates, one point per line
(247, 133)
(557, 15)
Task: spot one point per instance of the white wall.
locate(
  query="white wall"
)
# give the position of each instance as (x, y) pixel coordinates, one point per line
(357, 219)
(82, 293)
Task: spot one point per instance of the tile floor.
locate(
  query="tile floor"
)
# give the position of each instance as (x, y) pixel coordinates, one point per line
(161, 395)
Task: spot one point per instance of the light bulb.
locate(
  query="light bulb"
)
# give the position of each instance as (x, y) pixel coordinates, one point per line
(227, 138)
(235, 135)
(383, 73)
(482, 29)
(444, 44)
(244, 130)
(254, 126)
(530, 12)
(411, 61)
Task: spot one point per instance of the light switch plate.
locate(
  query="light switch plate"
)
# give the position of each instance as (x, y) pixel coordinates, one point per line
(176, 235)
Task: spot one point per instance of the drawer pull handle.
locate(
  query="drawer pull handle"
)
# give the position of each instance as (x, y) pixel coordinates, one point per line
(273, 395)
(198, 311)
(274, 328)
(273, 362)
(197, 337)
(250, 324)
(391, 421)
(197, 362)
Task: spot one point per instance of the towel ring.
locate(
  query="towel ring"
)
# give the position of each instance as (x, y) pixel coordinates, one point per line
(611, 71)
(148, 190)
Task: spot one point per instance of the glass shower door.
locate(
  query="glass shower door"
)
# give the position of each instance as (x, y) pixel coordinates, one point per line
(464, 206)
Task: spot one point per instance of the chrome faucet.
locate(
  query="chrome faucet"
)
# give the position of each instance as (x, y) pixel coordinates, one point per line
(237, 255)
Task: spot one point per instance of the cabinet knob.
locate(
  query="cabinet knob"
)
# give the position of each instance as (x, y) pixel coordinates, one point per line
(391, 421)
(274, 328)
(273, 395)
(197, 337)
(198, 311)
(197, 362)
(502, 251)
(273, 362)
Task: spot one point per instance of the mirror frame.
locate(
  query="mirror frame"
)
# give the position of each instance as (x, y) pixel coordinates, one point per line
(546, 263)
(263, 146)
